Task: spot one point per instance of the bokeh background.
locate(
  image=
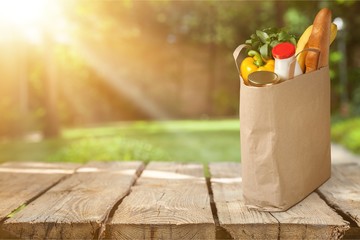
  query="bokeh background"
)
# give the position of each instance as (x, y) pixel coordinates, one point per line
(85, 80)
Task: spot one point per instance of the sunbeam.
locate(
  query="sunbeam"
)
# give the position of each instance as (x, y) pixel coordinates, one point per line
(114, 77)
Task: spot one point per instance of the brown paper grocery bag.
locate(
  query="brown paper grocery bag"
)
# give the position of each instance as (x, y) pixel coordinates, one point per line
(285, 140)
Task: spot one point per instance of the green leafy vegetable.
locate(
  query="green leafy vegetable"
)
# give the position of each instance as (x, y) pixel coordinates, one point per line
(264, 41)
(263, 36)
(264, 51)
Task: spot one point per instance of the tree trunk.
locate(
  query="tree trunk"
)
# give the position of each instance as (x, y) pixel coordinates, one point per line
(212, 48)
(23, 87)
(51, 122)
(279, 9)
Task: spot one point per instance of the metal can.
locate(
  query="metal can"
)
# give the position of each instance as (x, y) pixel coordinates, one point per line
(263, 78)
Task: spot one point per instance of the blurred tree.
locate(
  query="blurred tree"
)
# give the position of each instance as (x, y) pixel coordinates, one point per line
(51, 119)
(214, 27)
(348, 12)
(129, 60)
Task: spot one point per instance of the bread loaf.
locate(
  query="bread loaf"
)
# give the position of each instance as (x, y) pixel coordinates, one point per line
(319, 39)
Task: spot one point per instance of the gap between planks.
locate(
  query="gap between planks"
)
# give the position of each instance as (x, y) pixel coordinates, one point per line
(341, 192)
(34, 167)
(354, 231)
(220, 232)
(311, 218)
(169, 201)
(51, 221)
(100, 233)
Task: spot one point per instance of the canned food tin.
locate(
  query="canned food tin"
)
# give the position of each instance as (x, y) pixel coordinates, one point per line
(263, 78)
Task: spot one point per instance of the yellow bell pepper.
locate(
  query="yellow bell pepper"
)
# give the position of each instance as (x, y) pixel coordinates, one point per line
(254, 63)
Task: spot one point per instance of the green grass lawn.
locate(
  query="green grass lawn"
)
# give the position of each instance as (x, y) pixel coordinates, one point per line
(184, 141)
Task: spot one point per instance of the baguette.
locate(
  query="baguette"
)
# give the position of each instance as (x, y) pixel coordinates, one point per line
(319, 39)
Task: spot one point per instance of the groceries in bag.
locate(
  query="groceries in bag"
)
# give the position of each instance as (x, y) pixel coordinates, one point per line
(311, 52)
(263, 78)
(254, 63)
(260, 47)
(319, 39)
(284, 54)
(303, 44)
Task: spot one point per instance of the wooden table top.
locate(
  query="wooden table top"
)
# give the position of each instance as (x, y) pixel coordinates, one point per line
(164, 200)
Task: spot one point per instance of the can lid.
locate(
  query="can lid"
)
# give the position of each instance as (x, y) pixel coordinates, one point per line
(283, 50)
(263, 78)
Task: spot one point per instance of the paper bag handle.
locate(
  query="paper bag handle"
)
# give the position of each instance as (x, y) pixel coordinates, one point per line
(236, 55)
(293, 62)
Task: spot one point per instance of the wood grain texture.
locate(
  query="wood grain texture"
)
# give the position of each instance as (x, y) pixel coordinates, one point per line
(239, 221)
(312, 218)
(169, 201)
(22, 181)
(76, 207)
(342, 192)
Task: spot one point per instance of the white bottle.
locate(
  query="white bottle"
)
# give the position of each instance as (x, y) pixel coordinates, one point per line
(284, 55)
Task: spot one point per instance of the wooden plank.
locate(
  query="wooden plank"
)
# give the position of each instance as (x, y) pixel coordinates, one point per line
(239, 221)
(342, 192)
(169, 201)
(312, 218)
(22, 181)
(76, 207)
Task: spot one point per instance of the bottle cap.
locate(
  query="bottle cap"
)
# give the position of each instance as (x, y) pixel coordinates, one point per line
(283, 50)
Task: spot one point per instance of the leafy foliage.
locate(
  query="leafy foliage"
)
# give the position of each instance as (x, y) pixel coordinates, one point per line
(264, 41)
(156, 44)
(347, 133)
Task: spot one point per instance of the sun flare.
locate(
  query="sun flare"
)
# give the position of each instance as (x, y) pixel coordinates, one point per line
(30, 18)
(22, 13)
